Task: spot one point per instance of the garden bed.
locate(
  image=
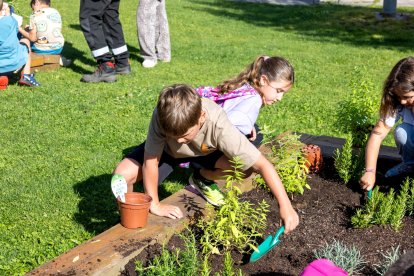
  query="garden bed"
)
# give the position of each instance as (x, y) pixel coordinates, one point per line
(325, 215)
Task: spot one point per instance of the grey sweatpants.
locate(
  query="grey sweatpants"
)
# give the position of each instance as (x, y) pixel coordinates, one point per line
(153, 31)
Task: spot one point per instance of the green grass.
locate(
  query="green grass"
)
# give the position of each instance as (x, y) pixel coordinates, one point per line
(60, 142)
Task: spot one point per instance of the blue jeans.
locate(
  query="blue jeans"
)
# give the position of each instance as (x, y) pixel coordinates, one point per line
(404, 139)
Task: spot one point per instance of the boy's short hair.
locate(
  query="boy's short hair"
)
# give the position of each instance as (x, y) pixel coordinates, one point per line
(178, 109)
(46, 2)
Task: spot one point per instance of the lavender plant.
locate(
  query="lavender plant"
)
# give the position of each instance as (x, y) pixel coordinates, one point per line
(388, 259)
(347, 258)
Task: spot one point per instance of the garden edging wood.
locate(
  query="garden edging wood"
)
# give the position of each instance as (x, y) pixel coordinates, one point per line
(110, 251)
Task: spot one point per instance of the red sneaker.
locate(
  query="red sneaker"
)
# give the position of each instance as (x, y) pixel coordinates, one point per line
(4, 81)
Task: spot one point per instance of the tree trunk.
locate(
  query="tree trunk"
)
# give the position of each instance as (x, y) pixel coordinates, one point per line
(390, 7)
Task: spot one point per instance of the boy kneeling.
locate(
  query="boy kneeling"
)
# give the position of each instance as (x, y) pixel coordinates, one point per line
(185, 128)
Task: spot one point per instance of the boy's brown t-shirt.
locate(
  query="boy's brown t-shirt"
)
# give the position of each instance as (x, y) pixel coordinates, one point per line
(217, 133)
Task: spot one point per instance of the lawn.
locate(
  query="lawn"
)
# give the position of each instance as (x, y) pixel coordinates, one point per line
(60, 142)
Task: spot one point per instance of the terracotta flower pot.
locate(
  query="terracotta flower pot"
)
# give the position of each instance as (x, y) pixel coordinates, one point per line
(313, 154)
(134, 212)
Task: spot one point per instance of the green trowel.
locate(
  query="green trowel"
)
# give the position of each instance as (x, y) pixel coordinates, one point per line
(267, 245)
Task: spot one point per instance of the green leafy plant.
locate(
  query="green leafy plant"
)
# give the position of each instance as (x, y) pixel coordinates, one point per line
(347, 258)
(388, 259)
(343, 160)
(236, 224)
(289, 162)
(228, 269)
(356, 114)
(410, 200)
(205, 266)
(349, 162)
(385, 208)
(268, 134)
(173, 263)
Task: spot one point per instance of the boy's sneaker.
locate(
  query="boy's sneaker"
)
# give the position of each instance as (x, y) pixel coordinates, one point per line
(123, 70)
(28, 80)
(4, 81)
(400, 169)
(104, 73)
(208, 189)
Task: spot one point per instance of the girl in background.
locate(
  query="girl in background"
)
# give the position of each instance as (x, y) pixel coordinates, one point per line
(397, 102)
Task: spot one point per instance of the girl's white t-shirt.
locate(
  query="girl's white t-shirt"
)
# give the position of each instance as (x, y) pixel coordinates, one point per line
(406, 113)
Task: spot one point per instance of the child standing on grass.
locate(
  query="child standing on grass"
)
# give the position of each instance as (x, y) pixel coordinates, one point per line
(14, 54)
(186, 128)
(263, 82)
(397, 102)
(45, 29)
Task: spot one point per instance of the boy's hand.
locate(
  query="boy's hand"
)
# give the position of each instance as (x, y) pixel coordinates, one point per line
(367, 181)
(290, 218)
(164, 210)
(253, 135)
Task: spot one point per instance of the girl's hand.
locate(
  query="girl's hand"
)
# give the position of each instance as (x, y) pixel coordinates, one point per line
(290, 218)
(367, 181)
(253, 135)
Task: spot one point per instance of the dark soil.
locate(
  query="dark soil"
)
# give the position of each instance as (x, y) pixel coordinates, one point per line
(325, 211)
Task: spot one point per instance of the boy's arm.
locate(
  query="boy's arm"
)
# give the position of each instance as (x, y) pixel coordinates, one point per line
(150, 179)
(29, 32)
(378, 134)
(287, 213)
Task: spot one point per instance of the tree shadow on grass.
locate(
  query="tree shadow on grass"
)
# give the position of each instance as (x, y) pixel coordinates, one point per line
(97, 208)
(73, 53)
(324, 23)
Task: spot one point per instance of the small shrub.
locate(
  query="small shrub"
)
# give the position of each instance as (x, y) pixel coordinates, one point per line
(349, 162)
(236, 224)
(386, 208)
(343, 160)
(356, 114)
(173, 263)
(290, 164)
(347, 258)
(388, 259)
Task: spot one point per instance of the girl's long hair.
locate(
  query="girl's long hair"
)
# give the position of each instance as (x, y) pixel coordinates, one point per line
(399, 82)
(275, 68)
